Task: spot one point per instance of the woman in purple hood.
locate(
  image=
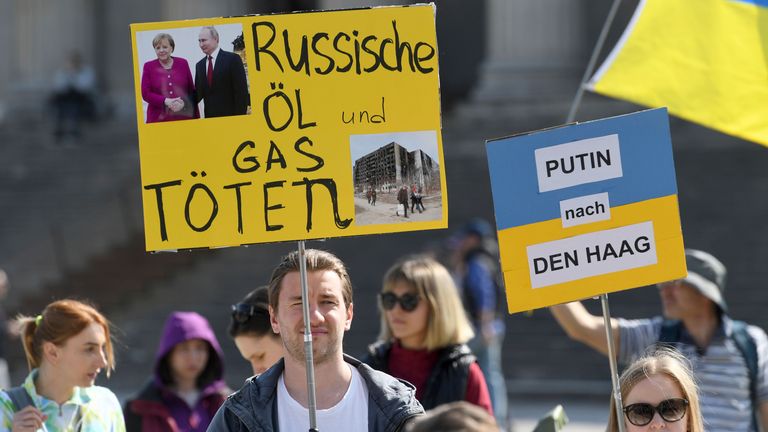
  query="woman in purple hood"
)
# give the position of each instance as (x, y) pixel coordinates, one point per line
(187, 387)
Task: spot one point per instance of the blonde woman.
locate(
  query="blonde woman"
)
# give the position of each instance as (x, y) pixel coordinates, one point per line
(423, 334)
(66, 348)
(658, 392)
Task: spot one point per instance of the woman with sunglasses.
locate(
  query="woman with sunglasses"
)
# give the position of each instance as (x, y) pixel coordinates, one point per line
(423, 334)
(66, 347)
(187, 387)
(252, 332)
(658, 392)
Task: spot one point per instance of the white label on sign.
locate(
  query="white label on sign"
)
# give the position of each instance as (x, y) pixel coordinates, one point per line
(591, 254)
(578, 162)
(585, 209)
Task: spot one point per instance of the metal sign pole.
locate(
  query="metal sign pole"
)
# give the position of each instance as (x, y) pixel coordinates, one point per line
(592, 60)
(612, 360)
(604, 297)
(310, 367)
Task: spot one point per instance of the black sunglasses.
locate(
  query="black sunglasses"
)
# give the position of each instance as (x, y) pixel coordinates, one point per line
(671, 410)
(242, 312)
(408, 302)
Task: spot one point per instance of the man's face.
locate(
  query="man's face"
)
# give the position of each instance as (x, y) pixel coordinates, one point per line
(207, 43)
(329, 317)
(679, 300)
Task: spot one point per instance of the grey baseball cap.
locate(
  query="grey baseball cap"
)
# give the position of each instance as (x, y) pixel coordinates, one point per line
(707, 274)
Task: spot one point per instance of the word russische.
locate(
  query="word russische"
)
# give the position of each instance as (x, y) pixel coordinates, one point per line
(323, 53)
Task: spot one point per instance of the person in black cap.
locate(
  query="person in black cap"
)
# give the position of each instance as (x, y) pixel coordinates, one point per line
(729, 358)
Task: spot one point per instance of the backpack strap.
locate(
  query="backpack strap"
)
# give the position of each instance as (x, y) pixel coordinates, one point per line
(20, 398)
(748, 349)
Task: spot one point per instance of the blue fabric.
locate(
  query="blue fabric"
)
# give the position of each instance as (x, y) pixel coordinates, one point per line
(763, 3)
(483, 288)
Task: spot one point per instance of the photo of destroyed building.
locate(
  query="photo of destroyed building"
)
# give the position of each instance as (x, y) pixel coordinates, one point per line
(392, 165)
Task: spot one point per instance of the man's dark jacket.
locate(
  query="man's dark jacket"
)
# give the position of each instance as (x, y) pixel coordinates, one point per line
(391, 402)
(228, 95)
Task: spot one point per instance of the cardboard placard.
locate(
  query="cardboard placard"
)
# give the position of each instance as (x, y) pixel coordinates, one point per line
(286, 132)
(586, 209)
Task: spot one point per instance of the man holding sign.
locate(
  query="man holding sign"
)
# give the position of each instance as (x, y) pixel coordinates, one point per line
(729, 358)
(220, 78)
(350, 395)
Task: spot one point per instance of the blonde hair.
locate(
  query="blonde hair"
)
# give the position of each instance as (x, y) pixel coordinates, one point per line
(447, 324)
(60, 321)
(213, 31)
(661, 361)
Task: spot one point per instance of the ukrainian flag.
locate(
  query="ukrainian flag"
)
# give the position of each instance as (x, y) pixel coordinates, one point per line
(703, 59)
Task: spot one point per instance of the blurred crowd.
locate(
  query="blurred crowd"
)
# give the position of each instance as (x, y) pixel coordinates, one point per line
(435, 366)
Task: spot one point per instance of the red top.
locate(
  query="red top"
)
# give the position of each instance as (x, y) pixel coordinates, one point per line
(415, 367)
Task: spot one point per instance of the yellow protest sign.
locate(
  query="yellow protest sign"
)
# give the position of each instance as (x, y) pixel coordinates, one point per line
(287, 127)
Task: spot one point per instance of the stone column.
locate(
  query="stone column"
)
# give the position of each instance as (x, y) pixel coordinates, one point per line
(7, 68)
(534, 50)
(188, 9)
(47, 32)
(39, 39)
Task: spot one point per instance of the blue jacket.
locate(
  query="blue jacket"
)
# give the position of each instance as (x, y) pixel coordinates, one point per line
(391, 402)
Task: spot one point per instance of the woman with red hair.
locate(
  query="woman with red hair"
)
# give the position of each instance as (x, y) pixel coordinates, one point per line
(66, 347)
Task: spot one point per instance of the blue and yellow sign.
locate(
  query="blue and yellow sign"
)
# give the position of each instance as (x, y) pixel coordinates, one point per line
(586, 209)
(289, 126)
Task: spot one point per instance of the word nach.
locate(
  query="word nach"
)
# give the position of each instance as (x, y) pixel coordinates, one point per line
(588, 210)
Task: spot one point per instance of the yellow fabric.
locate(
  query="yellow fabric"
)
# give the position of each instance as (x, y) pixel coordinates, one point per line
(703, 59)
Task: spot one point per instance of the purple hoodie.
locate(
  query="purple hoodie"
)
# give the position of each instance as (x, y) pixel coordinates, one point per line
(184, 326)
(181, 327)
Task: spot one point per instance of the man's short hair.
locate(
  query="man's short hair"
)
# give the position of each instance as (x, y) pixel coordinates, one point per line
(317, 260)
(214, 32)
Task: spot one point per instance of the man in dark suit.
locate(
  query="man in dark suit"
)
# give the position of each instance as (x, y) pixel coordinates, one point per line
(220, 78)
